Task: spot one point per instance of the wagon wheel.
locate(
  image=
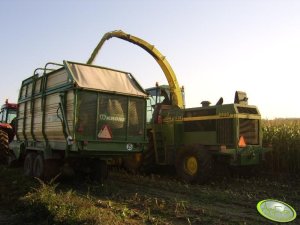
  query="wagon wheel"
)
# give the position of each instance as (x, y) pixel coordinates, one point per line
(39, 166)
(11, 159)
(99, 170)
(133, 162)
(52, 168)
(45, 169)
(28, 163)
(194, 165)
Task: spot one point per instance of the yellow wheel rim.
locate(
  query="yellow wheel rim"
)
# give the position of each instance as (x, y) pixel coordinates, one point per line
(191, 165)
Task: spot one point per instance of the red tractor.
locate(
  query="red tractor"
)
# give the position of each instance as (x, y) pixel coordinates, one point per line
(8, 114)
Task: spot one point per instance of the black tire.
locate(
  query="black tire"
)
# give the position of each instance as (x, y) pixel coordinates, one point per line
(133, 162)
(11, 160)
(52, 168)
(7, 156)
(148, 157)
(99, 171)
(194, 165)
(39, 167)
(28, 163)
(3, 144)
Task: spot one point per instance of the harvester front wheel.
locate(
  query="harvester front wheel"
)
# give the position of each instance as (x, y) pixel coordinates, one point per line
(194, 165)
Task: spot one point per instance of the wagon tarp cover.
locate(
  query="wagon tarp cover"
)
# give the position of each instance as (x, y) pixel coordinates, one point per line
(104, 79)
(102, 110)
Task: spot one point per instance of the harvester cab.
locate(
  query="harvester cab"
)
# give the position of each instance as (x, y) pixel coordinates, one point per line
(194, 139)
(160, 98)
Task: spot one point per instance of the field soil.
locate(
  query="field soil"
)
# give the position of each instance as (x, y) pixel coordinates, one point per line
(135, 199)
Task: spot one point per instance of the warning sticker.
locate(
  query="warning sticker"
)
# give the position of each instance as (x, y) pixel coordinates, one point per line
(105, 132)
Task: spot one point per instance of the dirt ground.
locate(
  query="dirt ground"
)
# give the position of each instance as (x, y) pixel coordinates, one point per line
(160, 199)
(221, 201)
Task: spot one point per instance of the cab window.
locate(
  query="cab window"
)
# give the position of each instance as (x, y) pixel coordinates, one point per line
(11, 115)
(3, 112)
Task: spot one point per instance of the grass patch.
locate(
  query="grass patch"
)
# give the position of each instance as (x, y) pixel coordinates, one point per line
(70, 207)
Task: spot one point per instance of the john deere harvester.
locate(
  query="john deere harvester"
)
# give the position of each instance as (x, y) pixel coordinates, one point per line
(193, 139)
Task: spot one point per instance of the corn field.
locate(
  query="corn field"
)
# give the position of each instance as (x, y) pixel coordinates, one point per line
(284, 136)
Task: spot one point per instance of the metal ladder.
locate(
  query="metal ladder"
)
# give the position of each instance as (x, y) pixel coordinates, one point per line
(160, 147)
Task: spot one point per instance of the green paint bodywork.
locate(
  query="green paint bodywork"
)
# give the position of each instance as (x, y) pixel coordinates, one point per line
(216, 128)
(76, 144)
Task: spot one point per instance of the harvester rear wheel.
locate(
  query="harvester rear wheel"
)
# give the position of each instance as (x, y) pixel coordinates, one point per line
(28, 163)
(194, 165)
(3, 145)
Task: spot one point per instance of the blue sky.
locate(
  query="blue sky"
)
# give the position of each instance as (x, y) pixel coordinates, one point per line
(215, 47)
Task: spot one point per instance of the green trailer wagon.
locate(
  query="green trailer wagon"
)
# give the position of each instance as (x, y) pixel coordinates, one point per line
(78, 115)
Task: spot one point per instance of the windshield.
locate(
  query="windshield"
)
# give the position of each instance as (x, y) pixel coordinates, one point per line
(157, 95)
(11, 115)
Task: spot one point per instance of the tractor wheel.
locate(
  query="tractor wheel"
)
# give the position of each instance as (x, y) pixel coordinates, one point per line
(194, 165)
(3, 145)
(28, 163)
